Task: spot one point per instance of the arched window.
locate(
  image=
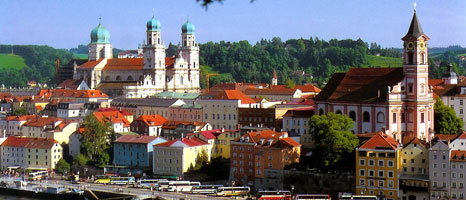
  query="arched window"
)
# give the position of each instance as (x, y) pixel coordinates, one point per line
(410, 87)
(338, 112)
(130, 78)
(107, 78)
(118, 78)
(423, 58)
(194, 66)
(321, 111)
(352, 115)
(380, 117)
(366, 117)
(410, 58)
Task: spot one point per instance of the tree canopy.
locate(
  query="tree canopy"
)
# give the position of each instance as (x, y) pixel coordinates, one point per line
(445, 119)
(332, 138)
(96, 141)
(62, 166)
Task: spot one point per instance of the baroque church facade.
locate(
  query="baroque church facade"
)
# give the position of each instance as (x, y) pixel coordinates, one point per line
(142, 77)
(397, 101)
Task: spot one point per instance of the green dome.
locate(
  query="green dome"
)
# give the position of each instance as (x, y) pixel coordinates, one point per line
(100, 35)
(188, 28)
(153, 24)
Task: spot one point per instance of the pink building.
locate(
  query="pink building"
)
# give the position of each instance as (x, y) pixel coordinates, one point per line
(186, 113)
(397, 100)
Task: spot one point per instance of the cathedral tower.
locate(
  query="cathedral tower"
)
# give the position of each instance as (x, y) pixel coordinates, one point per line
(100, 46)
(154, 53)
(189, 51)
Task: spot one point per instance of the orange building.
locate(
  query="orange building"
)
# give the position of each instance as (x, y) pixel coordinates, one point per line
(256, 152)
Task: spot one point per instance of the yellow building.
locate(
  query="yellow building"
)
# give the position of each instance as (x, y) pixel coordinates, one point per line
(220, 140)
(173, 158)
(414, 171)
(377, 166)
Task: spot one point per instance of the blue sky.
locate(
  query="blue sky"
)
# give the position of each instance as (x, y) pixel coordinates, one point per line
(67, 23)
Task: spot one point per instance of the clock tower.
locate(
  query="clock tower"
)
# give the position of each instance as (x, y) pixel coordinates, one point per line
(415, 92)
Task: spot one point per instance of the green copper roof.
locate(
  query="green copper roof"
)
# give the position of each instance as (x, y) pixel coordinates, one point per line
(177, 95)
(100, 35)
(188, 28)
(153, 24)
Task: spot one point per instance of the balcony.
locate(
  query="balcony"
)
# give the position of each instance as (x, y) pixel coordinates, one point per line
(414, 183)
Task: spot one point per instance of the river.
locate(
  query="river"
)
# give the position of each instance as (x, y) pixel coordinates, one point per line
(7, 197)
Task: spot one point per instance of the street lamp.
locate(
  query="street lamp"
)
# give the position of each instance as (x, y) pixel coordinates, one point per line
(292, 189)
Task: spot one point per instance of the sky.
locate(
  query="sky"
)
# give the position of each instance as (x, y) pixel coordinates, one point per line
(68, 23)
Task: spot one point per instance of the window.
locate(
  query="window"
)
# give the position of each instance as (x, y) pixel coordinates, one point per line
(366, 117)
(381, 172)
(394, 118)
(422, 117)
(390, 174)
(390, 163)
(352, 115)
(362, 182)
(362, 162)
(362, 172)
(403, 117)
(380, 163)
(371, 173)
(321, 111)
(371, 163)
(410, 87)
(380, 117)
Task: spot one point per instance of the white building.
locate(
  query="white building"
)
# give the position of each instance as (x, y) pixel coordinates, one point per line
(114, 75)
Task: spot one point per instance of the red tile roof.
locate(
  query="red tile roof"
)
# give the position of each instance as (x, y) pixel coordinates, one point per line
(362, 85)
(380, 141)
(43, 121)
(413, 140)
(136, 139)
(152, 120)
(122, 111)
(211, 134)
(112, 117)
(270, 138)
(235, 95)
(304, 88)
(268, 91)
(91, 64)
(33, 143)
(190, 142)
(63, 93)
(70, 84)
(170, 62)
(458, 155)
(121, 64)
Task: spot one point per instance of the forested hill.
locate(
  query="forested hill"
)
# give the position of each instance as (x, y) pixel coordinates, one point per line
(22, 63)
(319, 58)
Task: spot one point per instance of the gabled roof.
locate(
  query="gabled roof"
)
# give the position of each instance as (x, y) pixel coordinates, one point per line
(362, 85)
(121, 64)
(380, 141)
(136, 139)
(91, 64)
(183, 142)
(70, 84)
(300, 112)
(304, 88)
(413, 140)
(57, 93)
(43, 121)
(26, 142)
(458, 155)
(211, 134)
(152, 120)
(235, 95)
(269, 138)
(112, 117)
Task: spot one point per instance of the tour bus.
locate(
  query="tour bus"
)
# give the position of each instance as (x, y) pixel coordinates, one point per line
(233, 191)
(312, 197)
(181, 186)
(149, 183)
(102, 179)
(122, 180)
(37, 175)
(163, 185)
(205, 189)
(358, 197)
(272, 195)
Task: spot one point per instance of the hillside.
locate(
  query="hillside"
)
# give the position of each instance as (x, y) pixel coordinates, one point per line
(221, 78)
(11, 61)
(382, 61)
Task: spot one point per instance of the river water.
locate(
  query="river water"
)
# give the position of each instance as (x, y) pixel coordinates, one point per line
(7, 197)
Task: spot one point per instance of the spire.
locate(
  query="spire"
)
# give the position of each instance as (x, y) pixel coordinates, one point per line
(100, 20)
(415, 29)
(274, 75)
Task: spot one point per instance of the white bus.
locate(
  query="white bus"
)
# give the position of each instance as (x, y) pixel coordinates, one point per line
(358, 197)
(37, 175)
(205, 189)
(122, 180)
(181, 186)
(312, 197)
(163, 185)
(233, 191)
(149, 183)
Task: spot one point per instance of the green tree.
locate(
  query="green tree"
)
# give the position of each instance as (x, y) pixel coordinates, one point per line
(80, 160)
(290, 84)
(445, 119)
(96, 141)
(62, 167)
(332, 138)
(20, 112)
(202, 160)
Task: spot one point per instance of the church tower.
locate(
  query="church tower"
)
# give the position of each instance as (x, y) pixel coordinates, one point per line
(416, 93)
(274, 78)
(100, 46)
(189, 51)
(154, 53)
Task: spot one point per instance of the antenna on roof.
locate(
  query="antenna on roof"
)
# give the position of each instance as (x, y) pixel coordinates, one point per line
(414, 5)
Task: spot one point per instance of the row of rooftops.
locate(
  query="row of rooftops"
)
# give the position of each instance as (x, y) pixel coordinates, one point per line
(45, 95)
(268, 138)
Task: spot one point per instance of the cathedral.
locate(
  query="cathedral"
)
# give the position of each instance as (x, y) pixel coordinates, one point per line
(151, 74)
